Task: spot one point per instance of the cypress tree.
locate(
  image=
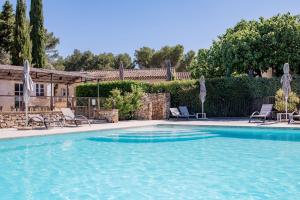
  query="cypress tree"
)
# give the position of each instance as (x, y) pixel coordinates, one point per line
(37, 34)
(7, 27)
(22, 44)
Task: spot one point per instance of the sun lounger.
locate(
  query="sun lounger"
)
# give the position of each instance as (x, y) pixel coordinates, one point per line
(175, 113)
(264, 113)
(69, 116)
(39, 119)
(185, 112)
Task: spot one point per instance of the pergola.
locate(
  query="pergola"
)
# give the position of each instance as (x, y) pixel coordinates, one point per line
(50, 76)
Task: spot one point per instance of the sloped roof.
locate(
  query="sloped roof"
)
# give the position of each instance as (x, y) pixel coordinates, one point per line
(137, 74)
(12, 72)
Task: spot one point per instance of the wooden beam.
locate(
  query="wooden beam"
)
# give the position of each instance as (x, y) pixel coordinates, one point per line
(51, 99)
(67, 95)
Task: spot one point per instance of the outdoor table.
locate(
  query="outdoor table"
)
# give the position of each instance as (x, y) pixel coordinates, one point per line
(201, 116)
(283, 116)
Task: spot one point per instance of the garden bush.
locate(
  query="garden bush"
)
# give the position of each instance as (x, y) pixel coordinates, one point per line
(226, 97)
(280, 103)
(127, 103)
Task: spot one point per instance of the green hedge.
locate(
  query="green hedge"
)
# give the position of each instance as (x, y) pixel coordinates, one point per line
(90, 89)
(226, 97)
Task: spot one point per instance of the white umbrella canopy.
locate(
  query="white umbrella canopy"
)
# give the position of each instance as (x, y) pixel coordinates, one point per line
(202, 94)
(27, 87)
(286, 83)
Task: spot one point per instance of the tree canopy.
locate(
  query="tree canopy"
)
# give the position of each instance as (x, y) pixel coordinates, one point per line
(6, 30)
(22, 44)
(89, 61)
(147, 57)
(253, 47)
(37, 34)
(187, 61)
(144, 56)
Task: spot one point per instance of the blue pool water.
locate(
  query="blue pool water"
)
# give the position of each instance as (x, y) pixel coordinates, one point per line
(159, 162)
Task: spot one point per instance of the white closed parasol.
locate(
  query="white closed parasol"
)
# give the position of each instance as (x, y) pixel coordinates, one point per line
(202, 94)
(286, 84)
(169, 70)
(27, 88)
(121, 71)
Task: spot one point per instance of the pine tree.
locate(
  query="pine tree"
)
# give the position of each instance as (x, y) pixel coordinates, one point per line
(7, 27)
(37, 34)
(22, 44)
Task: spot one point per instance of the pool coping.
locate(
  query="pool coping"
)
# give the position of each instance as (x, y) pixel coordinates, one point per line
(14, 133)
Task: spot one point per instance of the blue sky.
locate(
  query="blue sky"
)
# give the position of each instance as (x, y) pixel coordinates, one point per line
(120, 26)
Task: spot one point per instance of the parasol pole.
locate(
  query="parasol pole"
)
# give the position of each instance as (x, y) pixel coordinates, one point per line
(286, 107)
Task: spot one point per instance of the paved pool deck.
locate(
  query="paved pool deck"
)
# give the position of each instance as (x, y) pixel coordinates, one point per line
(14, 133)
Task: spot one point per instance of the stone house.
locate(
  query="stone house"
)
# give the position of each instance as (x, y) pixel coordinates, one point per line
(52, 88)
(56, 89)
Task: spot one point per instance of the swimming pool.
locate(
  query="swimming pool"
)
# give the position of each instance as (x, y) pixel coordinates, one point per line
(157, 162)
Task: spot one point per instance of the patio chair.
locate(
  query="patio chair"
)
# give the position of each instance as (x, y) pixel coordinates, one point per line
(69, 116)
(40, 119)
(37, 118)
(185, 112)
(264, 113)
(293, 116)
(176, 114)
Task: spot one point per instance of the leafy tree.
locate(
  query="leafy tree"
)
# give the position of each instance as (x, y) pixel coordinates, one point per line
(201, 66)
(187, 61)
(6, 31)
(89, 61)
(205, 65)
(57, 64)
(143, 57)
(4, 57)
(280, 42)
(37, 34)
(174, 54)
(158, 59)
(125, 59)
(51, 44)
(54, 60)
(105, 61)
(22, 44)
(252, 47)
(72, 62)
(256, 46)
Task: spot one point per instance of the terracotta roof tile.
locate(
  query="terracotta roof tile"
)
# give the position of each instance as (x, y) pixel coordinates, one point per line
(137, 74)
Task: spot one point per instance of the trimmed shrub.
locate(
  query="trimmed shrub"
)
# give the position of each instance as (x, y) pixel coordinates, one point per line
(280, 104)
(127, 104)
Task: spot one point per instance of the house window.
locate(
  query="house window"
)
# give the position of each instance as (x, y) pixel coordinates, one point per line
(18, 95)
(39, 90)
(18, 89)
(63, 92)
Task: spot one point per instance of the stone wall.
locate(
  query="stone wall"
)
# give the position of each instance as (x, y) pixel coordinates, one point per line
(17, 119)
(111, 116)
(155, 107)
